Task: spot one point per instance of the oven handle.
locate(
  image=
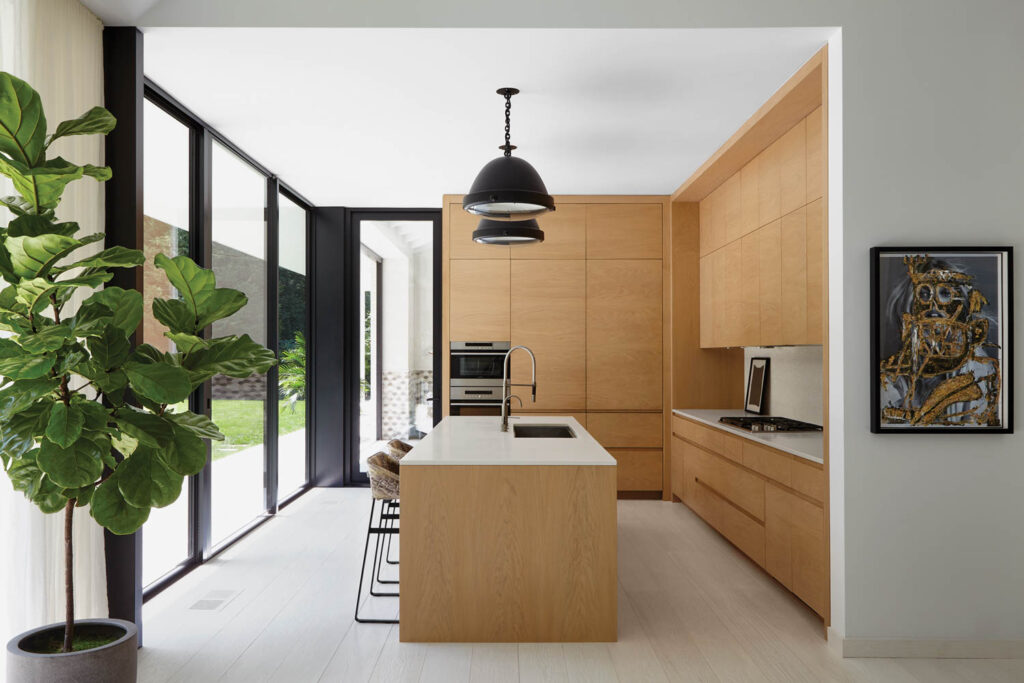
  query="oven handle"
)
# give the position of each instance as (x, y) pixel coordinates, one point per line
(488, 352)
(459, 404)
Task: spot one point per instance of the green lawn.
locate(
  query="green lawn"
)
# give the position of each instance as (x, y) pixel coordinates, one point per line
(242, 423)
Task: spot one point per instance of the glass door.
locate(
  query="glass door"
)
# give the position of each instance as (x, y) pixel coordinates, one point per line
(397, 330)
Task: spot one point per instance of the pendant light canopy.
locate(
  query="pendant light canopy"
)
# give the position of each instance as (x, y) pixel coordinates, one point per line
(508, 188)
(508, 232)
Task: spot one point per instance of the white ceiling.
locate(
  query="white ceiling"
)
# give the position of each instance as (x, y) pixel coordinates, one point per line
(398, 117)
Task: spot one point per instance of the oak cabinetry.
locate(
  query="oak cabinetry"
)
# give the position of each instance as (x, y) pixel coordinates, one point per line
(639, 469)
(565, 235)
(480, 300)
(762, 247)
(766, 502)
(618, 430)
(624, 231)
(548, 313)
(624, 328)
(461, 225)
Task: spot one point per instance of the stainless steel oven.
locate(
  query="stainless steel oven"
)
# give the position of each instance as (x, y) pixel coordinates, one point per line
(476, 371)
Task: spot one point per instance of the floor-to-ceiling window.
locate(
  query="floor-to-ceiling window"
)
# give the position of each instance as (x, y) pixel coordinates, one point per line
(205, 198)
(292, 314)
(165, 230)
(397, 331)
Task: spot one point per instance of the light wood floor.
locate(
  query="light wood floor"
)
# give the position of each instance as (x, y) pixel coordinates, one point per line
(691, 608)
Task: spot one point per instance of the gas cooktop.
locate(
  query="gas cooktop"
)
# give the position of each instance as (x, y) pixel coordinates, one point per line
(758, 423)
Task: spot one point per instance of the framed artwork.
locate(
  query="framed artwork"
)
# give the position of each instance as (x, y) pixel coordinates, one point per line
(757, 384)
(941, 339)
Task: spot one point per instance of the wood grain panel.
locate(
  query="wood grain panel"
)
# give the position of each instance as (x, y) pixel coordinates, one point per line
(480, 300)
(794, 277)
(719, 278)
(793, 168)
(732, 209)
(815, 155)
(549, 315)
(678, 468)
(624, 335)
(750, 198)
(460, 237)
(744, 532)
(639, 469)
(769, 282)
(796, 473)
(750, 305)
(626, 430)
(794, 533)
(815, 272)
(769, 191)
(707, 302)
(482, 560)
(624, 231)
(525, 413)
(565, 235)
(732, 294)
(738, 486)
(710, 218)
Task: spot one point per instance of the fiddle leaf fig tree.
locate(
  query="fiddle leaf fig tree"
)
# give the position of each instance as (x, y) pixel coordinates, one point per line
(86, 419)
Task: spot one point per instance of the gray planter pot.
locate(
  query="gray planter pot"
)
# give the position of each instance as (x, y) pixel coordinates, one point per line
(115, 662)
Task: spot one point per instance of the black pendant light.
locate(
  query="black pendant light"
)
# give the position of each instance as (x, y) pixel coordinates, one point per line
(508, 232)
(508, 189)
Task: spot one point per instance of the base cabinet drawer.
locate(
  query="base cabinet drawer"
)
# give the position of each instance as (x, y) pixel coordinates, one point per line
(743, 531)
(678, 468)
(742, 488)
(795, 545)
(714, 440)
(626, 430)
(639, 469)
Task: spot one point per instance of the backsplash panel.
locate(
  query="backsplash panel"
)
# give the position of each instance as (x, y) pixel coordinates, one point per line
(795, 382)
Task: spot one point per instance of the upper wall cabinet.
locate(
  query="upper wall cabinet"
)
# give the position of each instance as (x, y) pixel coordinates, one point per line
(480, 300)
(460, 237)
(565, 235)
(624, 335)
(763, 247)
(624, 231)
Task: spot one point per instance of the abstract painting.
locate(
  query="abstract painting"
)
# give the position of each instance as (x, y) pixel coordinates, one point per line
(941, 339)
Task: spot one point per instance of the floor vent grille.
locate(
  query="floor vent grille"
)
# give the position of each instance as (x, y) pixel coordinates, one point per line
(214, 600)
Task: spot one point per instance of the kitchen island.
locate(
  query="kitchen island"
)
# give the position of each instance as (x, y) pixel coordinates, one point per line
(506, 538)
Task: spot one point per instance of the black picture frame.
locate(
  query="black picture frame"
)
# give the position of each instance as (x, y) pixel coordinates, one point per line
(761, 387)
(882, 324)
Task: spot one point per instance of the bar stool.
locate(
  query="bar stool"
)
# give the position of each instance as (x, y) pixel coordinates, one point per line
(383, 472)
(396, 451)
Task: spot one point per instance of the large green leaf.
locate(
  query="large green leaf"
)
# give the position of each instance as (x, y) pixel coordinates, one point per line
(16, 363)
(27, 477)
(33, 256)
(110, 509)
(184, 342)
(220, 304)
(160, 382)
(31, 225)
(198, 289)
(19, 395)
(20, 206)
(44, 184)
(110, 348)
(187, 453)
(112, 257)
(35, 293)
(149, 429)
(65, 425)
(233, 356)
(111, 305)
(20, 431)
(22, 122)
(175, 315)
(48, 339)
(80, 464)
(200, 425)
(145, 479)
(96, 120)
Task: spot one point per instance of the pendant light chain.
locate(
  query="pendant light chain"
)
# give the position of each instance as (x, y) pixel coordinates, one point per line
(508, 123)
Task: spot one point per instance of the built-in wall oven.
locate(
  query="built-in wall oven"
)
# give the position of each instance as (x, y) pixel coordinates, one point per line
(476, 372)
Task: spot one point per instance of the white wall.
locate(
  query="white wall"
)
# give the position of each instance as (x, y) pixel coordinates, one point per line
(795, 381)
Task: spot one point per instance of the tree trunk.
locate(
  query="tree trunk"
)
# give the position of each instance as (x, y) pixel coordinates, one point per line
(69, 582)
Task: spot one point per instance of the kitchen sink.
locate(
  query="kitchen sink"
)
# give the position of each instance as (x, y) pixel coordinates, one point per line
(543, 432)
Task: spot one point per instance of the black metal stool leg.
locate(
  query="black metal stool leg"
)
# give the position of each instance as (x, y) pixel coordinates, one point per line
(378, 554)
(362, 571)
(388, 523)
(387, 556)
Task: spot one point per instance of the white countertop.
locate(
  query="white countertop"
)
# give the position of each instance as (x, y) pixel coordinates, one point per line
(480, 441)
(806, 445)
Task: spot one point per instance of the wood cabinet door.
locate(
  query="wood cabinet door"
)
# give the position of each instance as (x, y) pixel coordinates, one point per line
(795, 545)
(461, 225)
(707, 302)
(479, 300)
(750, 303)
(549, 316)
(624, 328)
(678, 468)
(624, 231)
(815, 155)
(769, 282)
(815, 272)
(565, 235)
(793, 235)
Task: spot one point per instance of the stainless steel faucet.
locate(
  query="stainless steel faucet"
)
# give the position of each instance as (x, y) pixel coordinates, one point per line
(506, 386)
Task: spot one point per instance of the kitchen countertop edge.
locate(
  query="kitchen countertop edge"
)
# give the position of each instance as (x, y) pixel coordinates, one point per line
(801, 444)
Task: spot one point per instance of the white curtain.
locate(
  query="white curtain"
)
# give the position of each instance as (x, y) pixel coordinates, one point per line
(57, 47)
